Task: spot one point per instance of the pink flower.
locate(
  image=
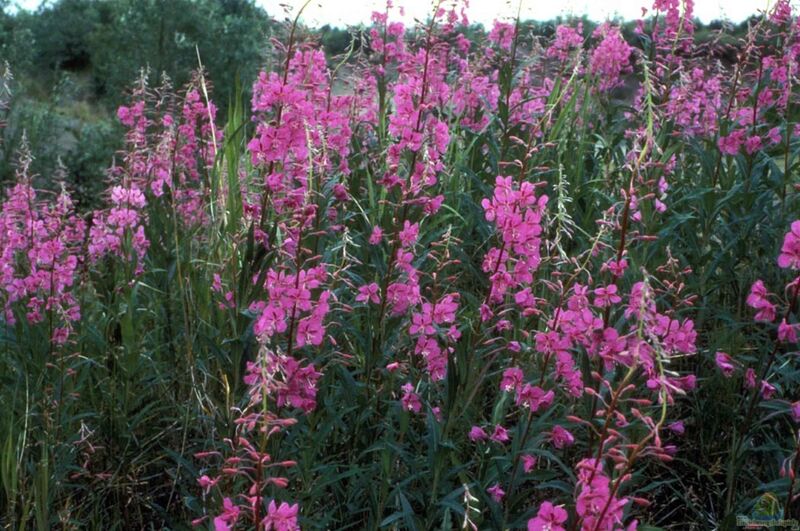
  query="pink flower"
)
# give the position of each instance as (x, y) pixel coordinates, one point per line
(410, 400)
(561, 438)
(606, 296)
(750, 378)
(758, 299)
(369, 292)
(310, 331)
(549, 518)
(528, 462)
(790, 252)
(444, 311)
(376, 236)
(616, 268)
(752, 144)
(795, 409)
(299, 387)
(596, 505)
(781, 12)
(787, 332)
(730, 145)
(566, 40)
(502, 34)
(281, 517)
(422, 322)
(408, 236)
(611, 58)
(229, 516)
(435, 357)
(130, 197)
(206, 482)
(512, 378)
(496, 492)
(767, 390)
(679, 336)
(340, 192)
(477, 434)
(500, 434)
(534, 397)
(725, 364)
(677, 427)
(517, 214)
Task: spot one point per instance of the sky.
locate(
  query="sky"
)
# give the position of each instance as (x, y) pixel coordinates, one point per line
(351, 12)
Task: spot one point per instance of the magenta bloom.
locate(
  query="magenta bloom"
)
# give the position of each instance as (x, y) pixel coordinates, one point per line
(566, 40)
(549, 518)
(300, 388)
(767, 390)
(496, 492)
(561, 438)
(750, 378)
(758, 299)
(369, 292)
(607, 296)
(512, 379)
(787, 332)
(207, 482)
(790, 252)
(376, 236)
(725, 364)
(677, 427)
(617, 268)
(528, 462)
(729, 145)
(410, 400)
(500, 434)
(229, 516)
(796, 411)
(408, 236)
(281, 517)
(752, 144)
(597, 504)
(534, 397)
(611, 58)
(502, 34)
(477, 434)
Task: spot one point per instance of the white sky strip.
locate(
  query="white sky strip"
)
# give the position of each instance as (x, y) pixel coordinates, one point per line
(351, 12)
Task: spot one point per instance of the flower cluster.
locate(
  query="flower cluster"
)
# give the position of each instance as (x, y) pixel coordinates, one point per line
(280, 378)
(163, 152)
(611, 59)
(517, 213)
(40, 245)
(301, 129)
(767, 305)
(291, 297)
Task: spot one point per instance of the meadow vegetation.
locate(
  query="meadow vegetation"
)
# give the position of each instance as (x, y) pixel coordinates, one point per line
(440, 279)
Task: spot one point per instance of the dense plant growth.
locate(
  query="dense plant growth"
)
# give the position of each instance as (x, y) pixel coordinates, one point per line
(437, 283)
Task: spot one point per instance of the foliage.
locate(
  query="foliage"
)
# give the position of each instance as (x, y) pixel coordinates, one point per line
(100, 48)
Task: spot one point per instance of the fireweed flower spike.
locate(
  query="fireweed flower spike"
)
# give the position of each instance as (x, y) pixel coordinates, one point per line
(40, 242)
